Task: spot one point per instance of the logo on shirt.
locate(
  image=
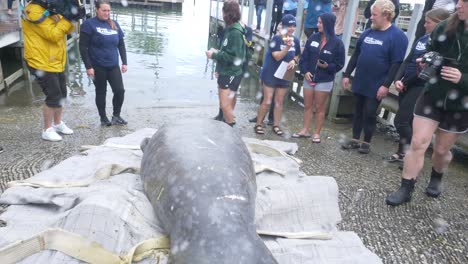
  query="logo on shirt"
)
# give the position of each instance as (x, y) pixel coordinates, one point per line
(106, 31)
(421, 46)
(327, 52)
(373, 41)
(225, 42)
(290, 49)
(314, 44)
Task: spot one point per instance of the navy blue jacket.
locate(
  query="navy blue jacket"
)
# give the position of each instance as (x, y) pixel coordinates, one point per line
(333, 53)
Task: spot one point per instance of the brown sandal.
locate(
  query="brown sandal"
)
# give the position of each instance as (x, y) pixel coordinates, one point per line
(259, 129)
(277, 130)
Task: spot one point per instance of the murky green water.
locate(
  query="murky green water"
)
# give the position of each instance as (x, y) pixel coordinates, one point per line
(166, 62)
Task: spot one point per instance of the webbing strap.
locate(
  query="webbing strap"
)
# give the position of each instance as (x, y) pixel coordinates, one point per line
(103, 173)
(80, 248)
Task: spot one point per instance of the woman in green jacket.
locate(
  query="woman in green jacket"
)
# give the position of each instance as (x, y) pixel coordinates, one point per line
(441, 109)
(229, 60)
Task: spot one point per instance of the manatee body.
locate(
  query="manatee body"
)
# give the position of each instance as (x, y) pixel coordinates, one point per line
(199, 177)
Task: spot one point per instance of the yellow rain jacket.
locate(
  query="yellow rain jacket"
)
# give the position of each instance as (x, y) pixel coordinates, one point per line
(45, 46)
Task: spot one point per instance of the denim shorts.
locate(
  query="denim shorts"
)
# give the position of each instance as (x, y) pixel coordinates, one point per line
(319, 87)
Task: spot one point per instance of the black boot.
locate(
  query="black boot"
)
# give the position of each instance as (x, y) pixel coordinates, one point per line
(220, 116)
(403, 194)
(435, 184)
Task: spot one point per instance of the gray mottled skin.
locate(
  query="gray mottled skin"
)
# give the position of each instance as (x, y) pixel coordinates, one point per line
(199, 177)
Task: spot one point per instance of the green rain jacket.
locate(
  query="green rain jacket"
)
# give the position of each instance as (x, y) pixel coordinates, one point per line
(448, 95)
(231, 56)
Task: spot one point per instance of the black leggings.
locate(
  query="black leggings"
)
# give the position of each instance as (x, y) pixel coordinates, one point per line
(365, 116)
(114, 76)
(404, 117)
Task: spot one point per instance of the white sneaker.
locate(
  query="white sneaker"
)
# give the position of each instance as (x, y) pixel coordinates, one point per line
(62, 128)
(50, 135)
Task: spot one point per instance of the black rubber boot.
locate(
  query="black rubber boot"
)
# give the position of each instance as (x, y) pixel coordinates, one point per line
(220, 116)
(434, 188)
(403, 194)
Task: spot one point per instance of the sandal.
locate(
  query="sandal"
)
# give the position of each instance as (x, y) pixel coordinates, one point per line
(259, 129)
(397, 157)
(316, 140)
(277, 130)
(297, 135)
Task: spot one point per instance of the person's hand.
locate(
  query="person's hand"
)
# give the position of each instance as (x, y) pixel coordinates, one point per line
(345, 83)
(451, 74)
(124, 68)
(291, 64)
(209, 53)
(289, 41)
(321, 65)
(400, 87)
(90, 72)
(216, 75)
(382, 92)
(308, 76)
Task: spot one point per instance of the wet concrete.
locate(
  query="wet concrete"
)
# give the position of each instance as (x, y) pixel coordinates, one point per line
(163, 86)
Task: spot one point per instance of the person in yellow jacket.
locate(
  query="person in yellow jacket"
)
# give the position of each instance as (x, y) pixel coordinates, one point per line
(45, 51)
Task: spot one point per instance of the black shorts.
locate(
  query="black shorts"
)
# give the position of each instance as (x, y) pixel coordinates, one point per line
(229, 82)
(54, 86)
(452, 122)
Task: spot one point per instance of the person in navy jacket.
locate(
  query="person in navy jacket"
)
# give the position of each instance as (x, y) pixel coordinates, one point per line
(323, 56)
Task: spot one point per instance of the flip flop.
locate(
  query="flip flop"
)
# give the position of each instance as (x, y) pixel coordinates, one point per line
(297, 135)
(316, 140)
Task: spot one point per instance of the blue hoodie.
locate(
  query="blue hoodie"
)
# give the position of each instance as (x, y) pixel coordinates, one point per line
(332, 53)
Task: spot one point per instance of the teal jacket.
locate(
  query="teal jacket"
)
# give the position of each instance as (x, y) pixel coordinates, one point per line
(448, 95)
(231, 55)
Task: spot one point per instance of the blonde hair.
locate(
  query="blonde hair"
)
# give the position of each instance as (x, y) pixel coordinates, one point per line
(386, 7)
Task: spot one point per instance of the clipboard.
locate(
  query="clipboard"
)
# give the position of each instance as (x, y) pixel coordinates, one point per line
(283, 73)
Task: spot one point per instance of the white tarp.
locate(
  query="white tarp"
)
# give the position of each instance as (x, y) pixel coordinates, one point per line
(115, 212)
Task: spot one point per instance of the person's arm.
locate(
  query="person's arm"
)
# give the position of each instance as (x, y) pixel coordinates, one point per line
(229, 52)
(338, 60)
(84, 45)
(122, 51)
(391, 74)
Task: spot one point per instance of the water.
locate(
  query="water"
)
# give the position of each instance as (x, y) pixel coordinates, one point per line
(167, 65)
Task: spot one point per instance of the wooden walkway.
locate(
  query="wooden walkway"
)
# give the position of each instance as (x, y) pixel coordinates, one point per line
(9, 28)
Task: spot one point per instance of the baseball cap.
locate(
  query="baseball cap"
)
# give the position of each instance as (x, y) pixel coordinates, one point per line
(288, 20)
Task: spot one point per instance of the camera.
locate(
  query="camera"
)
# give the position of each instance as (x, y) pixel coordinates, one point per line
(72, 10)
(434, 62)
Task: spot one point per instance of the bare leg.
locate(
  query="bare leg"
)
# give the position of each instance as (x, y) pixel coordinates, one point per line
(423, 129)
(49, 114)
(308, 110)
(226, 105)
(279, 99)
(58, 115)
(266, 102)
(442, 155)
(321, 100)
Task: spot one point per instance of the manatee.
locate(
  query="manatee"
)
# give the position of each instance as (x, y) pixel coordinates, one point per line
(199, 177)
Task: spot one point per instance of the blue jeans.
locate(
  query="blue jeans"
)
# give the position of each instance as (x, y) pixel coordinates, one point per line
(10, 4)
(259, 11)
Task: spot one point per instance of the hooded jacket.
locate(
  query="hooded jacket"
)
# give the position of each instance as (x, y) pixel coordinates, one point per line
(445, 94)
(333, 53)
(230, 57)
(45, 46)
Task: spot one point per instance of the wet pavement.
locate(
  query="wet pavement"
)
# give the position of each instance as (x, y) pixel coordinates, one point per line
(169, 79)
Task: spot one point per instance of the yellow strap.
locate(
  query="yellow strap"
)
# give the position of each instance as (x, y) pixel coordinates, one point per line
(79, 248)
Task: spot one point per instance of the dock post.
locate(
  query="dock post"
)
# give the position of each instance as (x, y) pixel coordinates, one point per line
(337, 92)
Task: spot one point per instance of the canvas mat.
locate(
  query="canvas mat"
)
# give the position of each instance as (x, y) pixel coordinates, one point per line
(115, 212)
